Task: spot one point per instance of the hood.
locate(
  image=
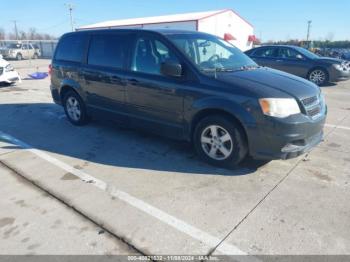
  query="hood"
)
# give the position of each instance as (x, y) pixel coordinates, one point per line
(271, 82)
(3, 63)
(329, 60)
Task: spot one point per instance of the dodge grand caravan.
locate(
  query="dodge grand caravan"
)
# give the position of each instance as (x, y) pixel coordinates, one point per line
(189, 86)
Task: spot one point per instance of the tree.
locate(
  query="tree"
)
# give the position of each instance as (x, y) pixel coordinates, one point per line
(11, 36)
(32, 33)
(22, 35)
(2, 34)
(329, 36)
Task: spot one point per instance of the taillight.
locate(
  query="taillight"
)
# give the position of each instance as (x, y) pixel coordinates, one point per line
(50, 69)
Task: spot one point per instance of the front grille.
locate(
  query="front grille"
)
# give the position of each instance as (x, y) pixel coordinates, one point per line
(307, 102)
(314, 111)
(313, 106)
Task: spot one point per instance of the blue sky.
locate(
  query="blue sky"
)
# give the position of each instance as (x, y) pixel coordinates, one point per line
(272, 19)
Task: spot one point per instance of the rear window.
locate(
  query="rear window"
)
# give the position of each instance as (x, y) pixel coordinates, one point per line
(107, 50)
(71, 48)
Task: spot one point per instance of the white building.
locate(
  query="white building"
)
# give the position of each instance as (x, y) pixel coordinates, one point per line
(226, 24)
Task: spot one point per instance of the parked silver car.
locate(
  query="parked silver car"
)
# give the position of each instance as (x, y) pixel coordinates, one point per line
(8, 74)
(20, 51)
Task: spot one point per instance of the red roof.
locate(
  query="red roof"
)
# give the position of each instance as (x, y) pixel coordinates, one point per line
(252, 38)
(160, 19)
(229, 37)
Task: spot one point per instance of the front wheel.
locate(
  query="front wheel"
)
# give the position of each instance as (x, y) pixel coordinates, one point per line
(220, 141)
(75, 109)
(318, 76)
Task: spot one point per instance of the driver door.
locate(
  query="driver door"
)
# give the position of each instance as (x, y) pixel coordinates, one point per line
(154, 100)
(291, 61)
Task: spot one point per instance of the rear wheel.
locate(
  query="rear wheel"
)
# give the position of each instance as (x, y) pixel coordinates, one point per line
(220, 141)
(75, 109)
(318, 76)
(19, 56)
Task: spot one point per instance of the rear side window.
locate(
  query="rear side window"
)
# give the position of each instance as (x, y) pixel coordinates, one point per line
(71, 48)
(107, 50)
(265, 52)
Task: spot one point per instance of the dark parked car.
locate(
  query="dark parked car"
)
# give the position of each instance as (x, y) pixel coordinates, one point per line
(301, 62)
(346, 56)
(190, 86)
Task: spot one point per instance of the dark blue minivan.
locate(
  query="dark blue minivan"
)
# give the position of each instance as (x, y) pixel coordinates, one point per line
(188, 86)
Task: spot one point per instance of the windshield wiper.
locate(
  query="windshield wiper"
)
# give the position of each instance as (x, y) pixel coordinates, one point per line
(223, 69)
(249, 67)
(217, 69)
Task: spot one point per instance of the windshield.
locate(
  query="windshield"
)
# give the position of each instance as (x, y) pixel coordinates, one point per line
(210, 53)
(307, 53)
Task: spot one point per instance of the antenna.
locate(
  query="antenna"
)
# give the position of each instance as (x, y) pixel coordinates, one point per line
(308, 32)
(70, 9)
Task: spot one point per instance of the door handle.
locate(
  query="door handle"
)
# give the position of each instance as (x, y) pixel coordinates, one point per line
(116, 79)
(132, 81)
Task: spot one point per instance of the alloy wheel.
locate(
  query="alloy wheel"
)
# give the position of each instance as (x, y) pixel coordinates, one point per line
(216, 142)
(73, 108)
(318, 77)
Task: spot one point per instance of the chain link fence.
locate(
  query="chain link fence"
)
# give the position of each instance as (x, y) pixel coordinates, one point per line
(27, 49)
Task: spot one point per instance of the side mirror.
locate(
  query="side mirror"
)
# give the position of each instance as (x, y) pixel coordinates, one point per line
(170, 68)
(299, 56)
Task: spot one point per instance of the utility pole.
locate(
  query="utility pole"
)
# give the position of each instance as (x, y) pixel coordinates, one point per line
(16, 29)
(308, 32)
(70, 8)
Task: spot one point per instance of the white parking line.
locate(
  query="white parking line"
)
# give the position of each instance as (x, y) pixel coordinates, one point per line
(340, 127)
(176, 223)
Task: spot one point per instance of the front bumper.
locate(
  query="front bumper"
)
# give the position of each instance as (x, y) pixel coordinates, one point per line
(286, 138)
(338, 75)
(9, 55)
(10, 77)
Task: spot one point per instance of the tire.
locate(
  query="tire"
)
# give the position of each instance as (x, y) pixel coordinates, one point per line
(318, 76)
(19, 57)
(35, 56)
(75, 109)
(226, 149)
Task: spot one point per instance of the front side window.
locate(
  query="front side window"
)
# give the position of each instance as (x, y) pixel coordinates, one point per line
(209, 52)
(107, 50)
(71, 48)
(149, 54)
(289, 53)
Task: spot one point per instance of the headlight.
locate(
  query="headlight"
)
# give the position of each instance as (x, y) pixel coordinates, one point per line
(279, 107)
(9, 68)
(322, 99)
(339, 67)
